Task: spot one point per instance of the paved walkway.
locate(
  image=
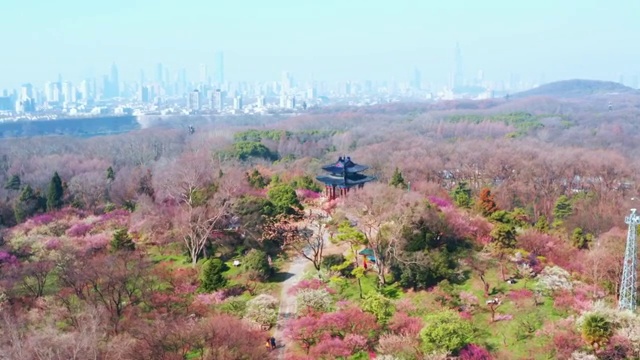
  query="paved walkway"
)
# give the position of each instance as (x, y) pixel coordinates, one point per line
(288, 304)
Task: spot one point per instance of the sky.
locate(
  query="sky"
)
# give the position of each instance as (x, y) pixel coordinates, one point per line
(331, 40)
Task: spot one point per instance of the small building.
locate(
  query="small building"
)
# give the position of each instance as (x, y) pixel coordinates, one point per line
(342, 176)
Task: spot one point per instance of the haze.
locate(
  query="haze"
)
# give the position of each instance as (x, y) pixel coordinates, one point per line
(330, 40)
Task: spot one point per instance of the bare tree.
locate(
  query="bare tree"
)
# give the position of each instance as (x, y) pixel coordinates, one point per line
(307, 237)
(203, 196)
(380, 213)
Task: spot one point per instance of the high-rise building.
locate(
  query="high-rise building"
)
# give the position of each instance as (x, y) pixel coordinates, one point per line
(237, 103)
(194, 101)
(291, 102)
(204, 75)
(217, 100)
(143, 94)
(26, 91)
(286, 83)
(261, 102)
(416, 79)
(84, 90)
(219, 67)
(68, 92)
(159, 73)
(114, 86)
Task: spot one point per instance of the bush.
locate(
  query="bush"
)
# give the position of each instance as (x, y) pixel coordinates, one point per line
(336, 260)
(256, 262)
(212, 278)
(313, 300)
(263, 310)
(446, 331)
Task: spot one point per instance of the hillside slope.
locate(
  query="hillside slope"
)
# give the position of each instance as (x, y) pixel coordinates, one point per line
(577, 88)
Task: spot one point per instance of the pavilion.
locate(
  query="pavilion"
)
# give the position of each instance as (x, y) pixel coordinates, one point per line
(342, 176)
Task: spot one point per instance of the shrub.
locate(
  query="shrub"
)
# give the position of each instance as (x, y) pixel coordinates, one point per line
(445, 331)
(313, 300)
(78, 230)
(474, 352)
(212, 277)
(263, 309)
(307, 284)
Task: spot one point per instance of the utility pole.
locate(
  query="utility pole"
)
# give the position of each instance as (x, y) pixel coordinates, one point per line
(627, 300)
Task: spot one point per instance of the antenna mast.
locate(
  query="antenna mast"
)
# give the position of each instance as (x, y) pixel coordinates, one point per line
(627, 300)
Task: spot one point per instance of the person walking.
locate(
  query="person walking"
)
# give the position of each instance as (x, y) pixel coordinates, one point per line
(273, 342)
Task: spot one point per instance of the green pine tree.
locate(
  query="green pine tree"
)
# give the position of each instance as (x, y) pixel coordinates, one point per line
(56, 191)
(212, 277)
(542, 224)
(24, 207)
(562, 209)
(397, 179)
(13, 183)
(122, 241)
(111, 175)
(462, 195)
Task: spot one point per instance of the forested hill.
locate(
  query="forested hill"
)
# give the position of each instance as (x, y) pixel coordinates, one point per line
(577, 88)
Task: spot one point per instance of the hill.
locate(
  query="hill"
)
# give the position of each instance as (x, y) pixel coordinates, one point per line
(577, 88)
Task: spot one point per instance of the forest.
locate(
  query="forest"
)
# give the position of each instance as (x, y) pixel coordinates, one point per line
(494, 230)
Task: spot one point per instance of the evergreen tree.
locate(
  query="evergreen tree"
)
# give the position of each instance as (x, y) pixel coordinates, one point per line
(25, 205)
(284, 199)
(462, 195)
(504, 236)
(56, 191)
(111, 175)
(562, 209)
(542, 224)
(397, 179)
(13, 183)
(212, 278)
(581, 240)
(122, 241)
(256, 180)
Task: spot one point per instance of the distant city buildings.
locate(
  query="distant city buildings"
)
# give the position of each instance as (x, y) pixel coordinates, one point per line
(194, 101)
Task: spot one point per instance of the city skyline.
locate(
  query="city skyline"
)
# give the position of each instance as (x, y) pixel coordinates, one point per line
(334, 41)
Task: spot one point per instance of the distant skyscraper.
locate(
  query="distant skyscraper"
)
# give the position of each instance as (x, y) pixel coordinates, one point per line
(114, 82)
(286, 83)
(159, 73)
(68, 92)
(84, 90)
(194, 100)
(416, 80)
(219, 67)
(143, 95)
(26, 91)
(458, 77)
(204, 74)
(237, 103)
(261, 102)
(217, 100)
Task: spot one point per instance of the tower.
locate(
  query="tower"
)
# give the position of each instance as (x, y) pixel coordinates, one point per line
(219, 67)
(627, 300)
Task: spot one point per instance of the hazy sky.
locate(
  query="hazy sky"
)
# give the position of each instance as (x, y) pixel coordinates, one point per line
(329, 39)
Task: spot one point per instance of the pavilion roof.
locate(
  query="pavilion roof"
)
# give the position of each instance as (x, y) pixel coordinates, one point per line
(344, 163)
